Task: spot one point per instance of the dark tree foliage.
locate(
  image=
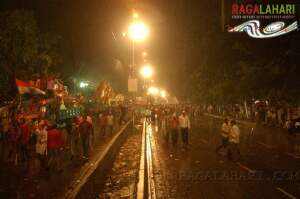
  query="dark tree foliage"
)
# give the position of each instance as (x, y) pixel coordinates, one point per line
(25, 52)
(222, 67)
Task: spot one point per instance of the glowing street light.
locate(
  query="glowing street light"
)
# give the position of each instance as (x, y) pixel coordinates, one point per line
(153, 90)
(135, 15)
(138, 31)
(146, 71)
(83, 84)
(144, 54)
(163, 94)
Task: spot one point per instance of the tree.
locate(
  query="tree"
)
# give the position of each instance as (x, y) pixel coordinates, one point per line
(25, 52)
(24, 49)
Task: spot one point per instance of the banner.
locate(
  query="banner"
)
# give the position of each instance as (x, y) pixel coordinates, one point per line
(132, 85)
(26, 88)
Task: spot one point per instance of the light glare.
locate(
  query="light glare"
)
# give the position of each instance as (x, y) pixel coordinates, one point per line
(153, 90)
(138, 31)
(146, 71)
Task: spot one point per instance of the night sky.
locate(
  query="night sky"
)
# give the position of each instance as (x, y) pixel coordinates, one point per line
(92, 35)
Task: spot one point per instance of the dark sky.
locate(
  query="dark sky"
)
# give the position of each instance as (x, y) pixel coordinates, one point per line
(91, 31)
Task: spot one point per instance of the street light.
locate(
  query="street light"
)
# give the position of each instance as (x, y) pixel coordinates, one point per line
(83, 84)
(163, 94)
(135, 15)
(138, 31)
(146, 71)
(153, 90)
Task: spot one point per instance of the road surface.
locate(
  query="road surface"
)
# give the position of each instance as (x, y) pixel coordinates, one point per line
(269, 167)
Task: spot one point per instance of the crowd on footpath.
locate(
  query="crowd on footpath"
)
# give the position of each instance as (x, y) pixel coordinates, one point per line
(279, 115)
(48, 144)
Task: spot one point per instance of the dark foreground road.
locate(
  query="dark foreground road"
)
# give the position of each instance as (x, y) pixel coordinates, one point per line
(269, 168)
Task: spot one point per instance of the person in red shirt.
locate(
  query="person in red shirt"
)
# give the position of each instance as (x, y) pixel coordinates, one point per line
(173, 126)
(13, 136)
(24, 141)
(85, 131)
(55, 145)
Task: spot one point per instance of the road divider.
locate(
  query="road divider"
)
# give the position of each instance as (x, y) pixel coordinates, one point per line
(90, 177)
(146, 185)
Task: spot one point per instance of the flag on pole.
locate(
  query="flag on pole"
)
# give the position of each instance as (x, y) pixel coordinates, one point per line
(26, 88)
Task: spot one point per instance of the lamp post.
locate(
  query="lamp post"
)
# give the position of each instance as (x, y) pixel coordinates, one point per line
(146, 72)
(138, 32)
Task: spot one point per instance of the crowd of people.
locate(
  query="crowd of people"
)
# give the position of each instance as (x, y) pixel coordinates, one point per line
(48, 144)
(174, 121)
(278, 114)
(175, 124)
(230, 139)
(23, 139)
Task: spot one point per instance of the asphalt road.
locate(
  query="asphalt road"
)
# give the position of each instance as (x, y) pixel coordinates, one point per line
(269, 167)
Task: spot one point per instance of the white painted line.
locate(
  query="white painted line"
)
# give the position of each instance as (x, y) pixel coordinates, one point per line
(293, 155)
(265, 145)
(221, 117)
(270, 147)
(245, 168)
(203, 141)
(286, 193)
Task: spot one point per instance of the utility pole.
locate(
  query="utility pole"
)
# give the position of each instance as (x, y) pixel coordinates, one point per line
(222, 15)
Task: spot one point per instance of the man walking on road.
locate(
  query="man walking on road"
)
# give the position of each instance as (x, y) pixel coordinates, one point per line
(224, 134)
(234, 140)
(110, 122)
(85, 130)
(184, 124)
(24, 142)
(173, 128)
(103, 123)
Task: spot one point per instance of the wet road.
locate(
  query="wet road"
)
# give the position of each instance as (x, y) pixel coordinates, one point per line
(269, 167)
(121, 180)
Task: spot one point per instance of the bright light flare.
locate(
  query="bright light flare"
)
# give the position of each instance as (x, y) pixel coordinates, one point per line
(135, 15)
(138, 31)
(163, 93)
(153, 90)
(83, 84)
(146, 71)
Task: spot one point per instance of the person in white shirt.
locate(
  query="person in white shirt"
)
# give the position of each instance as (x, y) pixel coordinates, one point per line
(41, 143)
(224, 135)
(234, 140)
(184, 125)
